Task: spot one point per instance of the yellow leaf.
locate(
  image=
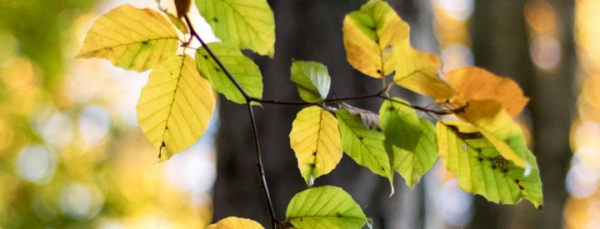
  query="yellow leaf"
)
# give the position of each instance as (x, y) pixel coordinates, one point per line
(369, 36)
(315, 138)
(235, 223)
(473, 83)
(131, 38)
(175, 106)
(418, 72)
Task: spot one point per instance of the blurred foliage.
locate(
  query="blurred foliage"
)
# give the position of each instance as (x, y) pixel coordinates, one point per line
(70, 156)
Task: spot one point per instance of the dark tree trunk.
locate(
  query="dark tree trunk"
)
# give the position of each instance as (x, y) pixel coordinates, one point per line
(305, 30)
(500, 44)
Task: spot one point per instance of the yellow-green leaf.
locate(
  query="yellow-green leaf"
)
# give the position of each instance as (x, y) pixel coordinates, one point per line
(365, 146)
(315, 139)
(412, 165)
(370, 35)
(235, 223)
(498, 127)
(312, 80)
(481, 169)
(473, 83)
(400, 123)
(325, 207)
(175, 106)
(418, 72)
(131, 38)
(178, 23)
(243, 24)
(243, 69)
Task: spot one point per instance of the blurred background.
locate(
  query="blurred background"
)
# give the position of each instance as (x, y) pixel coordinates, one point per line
(73, 156)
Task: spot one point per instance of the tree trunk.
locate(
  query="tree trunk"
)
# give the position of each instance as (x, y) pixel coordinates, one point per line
(305, 30)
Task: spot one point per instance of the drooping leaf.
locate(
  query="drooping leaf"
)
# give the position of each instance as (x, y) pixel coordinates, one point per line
(473, 83)
(312, 80)
(131, 38)
(315, 139)
(369, 119)
(243, 24)
(183, 7)
(370, 35)
(243, 69)
(177, 22)
(412, 165)
(175, 106)
(400, 123)
(418, 72)
(235, 223)
(364, 146)
(498, 127)
(481, 169)
(325, 207)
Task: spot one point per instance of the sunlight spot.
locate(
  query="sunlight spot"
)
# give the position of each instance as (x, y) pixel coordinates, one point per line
(36, 164)
(94, 124)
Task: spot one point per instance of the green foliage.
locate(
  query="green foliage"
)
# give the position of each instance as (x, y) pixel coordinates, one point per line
(325, 207)
(245, 72)
(486, 151)
(312, 80)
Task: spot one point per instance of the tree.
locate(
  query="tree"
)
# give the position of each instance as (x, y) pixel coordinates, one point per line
(486, 149)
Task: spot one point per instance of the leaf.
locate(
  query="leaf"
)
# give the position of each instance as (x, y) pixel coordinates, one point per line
(473, 83)
(178, 23)
(498, 127)
(235, 223)
(364, 146)
(312, 80)
(369, 119)
(325, 207)
(480, 168)
(369, 36)
(412, 165)
(243, 70)
(418, 72)
(315, 139)
(131, 38)
(400, 123)
(175, 106)
(243, 24)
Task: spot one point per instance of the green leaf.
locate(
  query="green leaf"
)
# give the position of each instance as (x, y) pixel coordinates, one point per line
(175, 106)
(325, 207)
(412, 165)
(481, 169)
(243, 24)
(400, 123)
(364, 146)
(243, 69)
(312, 80)
(369, 36)
(315, 139)
(235, 223)
(131, 38)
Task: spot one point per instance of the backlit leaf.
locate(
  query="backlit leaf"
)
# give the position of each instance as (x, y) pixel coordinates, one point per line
(418, 72)
(243, 24)
(481, 169)
(400, 123)
(369, 119)
(364, 146)
(235, 223)
(175, 106)
(315, 139)
(412, 165)
(131, 38)
(243, 69)
(312, 80)
(370, 35)
(473, 83)
(178, 23)
(325, 207)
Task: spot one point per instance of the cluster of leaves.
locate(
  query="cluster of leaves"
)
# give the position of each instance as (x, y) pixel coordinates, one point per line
(485, 149)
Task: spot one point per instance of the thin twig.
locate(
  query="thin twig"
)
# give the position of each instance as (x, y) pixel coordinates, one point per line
(261, 172)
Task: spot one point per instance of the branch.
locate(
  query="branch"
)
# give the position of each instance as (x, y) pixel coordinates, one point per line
(259, 164)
